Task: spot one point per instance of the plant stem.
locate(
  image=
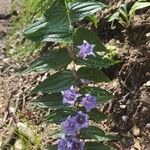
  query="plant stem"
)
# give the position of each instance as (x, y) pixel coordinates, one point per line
(70, 47)
(68, 14)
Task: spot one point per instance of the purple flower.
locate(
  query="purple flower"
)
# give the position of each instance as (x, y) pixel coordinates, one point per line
(64, 144)
(84, 81)
(86, 49)
(82, 119)
(70, 96)
(70, 126)
(77, 145)
(70, 144)
(89, 102)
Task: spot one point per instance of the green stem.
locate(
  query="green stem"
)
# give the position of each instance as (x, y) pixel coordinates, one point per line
(70, 47)
(68, 14)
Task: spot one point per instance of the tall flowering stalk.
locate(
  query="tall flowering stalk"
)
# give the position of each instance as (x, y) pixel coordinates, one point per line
(73, 124)
(67, 92)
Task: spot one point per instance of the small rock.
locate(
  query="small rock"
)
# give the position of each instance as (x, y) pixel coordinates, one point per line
(2, 56)
(12, 110)
(123, 106)
(136, 131)
(145, 97)
(148, 34)
(147, 74)
(137, 145)
(148, 126)
(6, 60)
(124, 118)
(18, 145)
(145, 111)
(147, 84)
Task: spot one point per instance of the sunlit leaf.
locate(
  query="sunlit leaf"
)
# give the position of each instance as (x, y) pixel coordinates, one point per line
(60, 115)
(50, 101)
(92, 74)
(56, 83)
(55, 60)
(55, 25)
(138, 5)
(101, 95)
(97, 146)
(97, 116)
(80, 10)
(96, 62)
(91, 133)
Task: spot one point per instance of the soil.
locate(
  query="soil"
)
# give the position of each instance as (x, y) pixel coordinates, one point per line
(130, 86)
(3, 29)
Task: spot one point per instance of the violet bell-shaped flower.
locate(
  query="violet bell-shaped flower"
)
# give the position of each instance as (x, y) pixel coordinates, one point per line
(77, 145)
(70, 96)
(70, 144)
(82, 119)
(70, 126)
(86, 49)
(64, 144)
(89, 102)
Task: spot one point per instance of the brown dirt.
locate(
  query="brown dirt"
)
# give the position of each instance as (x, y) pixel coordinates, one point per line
(3, 29)
(131, 108)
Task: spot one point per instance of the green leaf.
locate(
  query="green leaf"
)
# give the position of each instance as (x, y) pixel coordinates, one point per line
(51, 147)
(123, 11)
(122, 15)
(60, 115)
(113, 137)
(80, 0)
(35, 32)
(97, 146)
(44, 30)
(92, 74)
(85, 34)
(80, 10)
(101, 95)
(50, 101)
(114, 17)
(96, 133)
(55, 134)
(96, 62)
(93, 19)
(57, 82)
(57, 12)
(59, 37)
(54, 26)
(55, 60)
(97, 116)
(91, 133)
(103, 138)
(138, 5)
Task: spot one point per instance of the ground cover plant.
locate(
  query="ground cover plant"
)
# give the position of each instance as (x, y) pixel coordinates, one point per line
(125, 16)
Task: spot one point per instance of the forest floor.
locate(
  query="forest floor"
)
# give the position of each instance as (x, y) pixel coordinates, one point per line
(130, 85)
